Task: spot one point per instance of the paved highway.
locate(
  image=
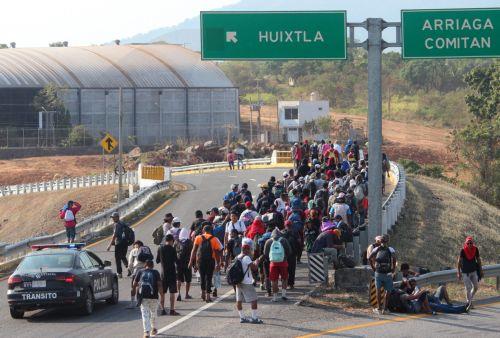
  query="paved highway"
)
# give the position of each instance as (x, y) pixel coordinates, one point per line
(219, 318)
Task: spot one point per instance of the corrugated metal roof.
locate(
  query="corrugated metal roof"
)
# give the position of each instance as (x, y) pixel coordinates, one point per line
(163, 66)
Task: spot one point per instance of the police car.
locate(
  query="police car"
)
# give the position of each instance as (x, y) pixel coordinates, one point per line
(55, 275)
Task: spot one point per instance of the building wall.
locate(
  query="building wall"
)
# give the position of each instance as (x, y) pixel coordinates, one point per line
(160, 113)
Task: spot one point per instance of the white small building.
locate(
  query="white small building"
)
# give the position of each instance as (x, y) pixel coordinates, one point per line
(293, 114)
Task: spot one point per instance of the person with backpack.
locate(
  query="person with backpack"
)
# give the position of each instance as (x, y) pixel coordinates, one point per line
(234, 224)
(470, 269)
(123, 237)
(206, 257)
(196, 226)
(160, 232)
(148, 287)
(240, 276)
(175, 229)
(167, 257)
(137, 261)
(293, 238)
(383, 262)
(68, 214)
(276, 251)
(249, 214)
(183, 249)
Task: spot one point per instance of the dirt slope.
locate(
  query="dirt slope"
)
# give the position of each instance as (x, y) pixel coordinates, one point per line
(37, 214)
(436, 220)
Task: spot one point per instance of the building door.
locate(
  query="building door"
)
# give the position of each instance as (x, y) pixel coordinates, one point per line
(293, 135)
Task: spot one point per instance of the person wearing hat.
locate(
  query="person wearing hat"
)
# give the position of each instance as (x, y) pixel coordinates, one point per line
(175, 229)
(249, 214)
(119, 240)
(212, 213)
(245, 291)
(383, 262)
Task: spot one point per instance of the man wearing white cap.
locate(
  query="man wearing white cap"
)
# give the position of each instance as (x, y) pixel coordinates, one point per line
(245, 290)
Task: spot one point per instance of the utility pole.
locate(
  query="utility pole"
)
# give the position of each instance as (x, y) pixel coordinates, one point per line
(120, 146)
(375, 27)
(251, 122)
(258, 116)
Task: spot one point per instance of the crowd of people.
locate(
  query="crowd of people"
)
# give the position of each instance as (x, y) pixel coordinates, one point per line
(257, 240)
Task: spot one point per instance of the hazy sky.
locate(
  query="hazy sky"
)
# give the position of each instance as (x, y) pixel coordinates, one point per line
(35, 23)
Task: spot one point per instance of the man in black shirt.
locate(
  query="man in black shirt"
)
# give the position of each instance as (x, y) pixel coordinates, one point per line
(120, 242)
(167, 256)
(197, 226)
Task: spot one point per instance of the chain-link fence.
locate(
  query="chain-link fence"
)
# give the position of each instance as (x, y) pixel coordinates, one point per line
(78, 136)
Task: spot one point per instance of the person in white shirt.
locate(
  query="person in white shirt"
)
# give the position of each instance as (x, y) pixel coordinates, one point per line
(235, 224)
(245, 291)
(167, 224)
(281, 203)
(175, 229)
(248, 215)
(338, 148)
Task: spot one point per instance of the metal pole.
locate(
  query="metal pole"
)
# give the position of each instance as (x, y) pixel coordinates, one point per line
(251, 119)
(120, 148)
(374, 127)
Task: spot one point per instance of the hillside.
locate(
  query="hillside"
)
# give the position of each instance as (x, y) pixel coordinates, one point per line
(437, 217)
(37, 214)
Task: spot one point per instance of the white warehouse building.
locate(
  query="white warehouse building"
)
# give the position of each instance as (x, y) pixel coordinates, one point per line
(168, 92)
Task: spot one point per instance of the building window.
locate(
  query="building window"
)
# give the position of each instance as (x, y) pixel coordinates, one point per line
(291, 113)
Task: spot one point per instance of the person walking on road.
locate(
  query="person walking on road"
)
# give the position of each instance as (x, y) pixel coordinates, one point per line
(137, 261)
(183, 248)
(123, 236)
(205, 257)
(245, 291)
(148, 287)
(167, 256)
(68, 213)
(276, 251)
(383, 262)
(470, 269)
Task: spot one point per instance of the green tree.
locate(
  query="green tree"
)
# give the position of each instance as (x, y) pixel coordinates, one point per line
(479, 141)
(47, 100)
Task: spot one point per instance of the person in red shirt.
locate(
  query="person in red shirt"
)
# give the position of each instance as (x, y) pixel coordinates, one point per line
(68, 214)
(231, 157)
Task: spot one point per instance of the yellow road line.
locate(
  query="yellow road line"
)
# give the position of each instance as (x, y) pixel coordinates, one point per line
(378, 323)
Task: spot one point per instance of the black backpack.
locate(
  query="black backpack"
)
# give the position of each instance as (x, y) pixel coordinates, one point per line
(128, 235)
(395, 302)
(205, 251)
(144, 254)
(235, 273)
(182, 250)
(383, 260)
(346, 261)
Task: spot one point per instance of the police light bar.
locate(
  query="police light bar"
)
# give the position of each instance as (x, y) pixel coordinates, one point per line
(76, 246)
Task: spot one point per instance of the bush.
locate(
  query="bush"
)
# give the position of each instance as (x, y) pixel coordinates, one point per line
(78, 136)
(432, 170)
(410, 166)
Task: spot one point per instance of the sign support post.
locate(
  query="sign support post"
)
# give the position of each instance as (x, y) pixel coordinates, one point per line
(120, 146)
(374, 45)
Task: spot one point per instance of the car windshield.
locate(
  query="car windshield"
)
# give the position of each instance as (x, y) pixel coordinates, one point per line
(41, 262)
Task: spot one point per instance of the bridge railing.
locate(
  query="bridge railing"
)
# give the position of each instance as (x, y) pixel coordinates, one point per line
(68, 183)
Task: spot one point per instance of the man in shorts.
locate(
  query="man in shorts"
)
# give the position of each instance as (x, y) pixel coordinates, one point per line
(278, 266)
(245, 291)
(167, 256)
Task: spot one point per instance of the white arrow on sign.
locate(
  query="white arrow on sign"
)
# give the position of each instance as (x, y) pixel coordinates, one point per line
(231, 37)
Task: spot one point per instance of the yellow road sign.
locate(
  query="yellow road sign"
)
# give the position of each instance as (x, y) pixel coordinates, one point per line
(109, 143)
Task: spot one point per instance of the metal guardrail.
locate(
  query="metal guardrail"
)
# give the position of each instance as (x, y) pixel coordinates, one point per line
(393, 205)
(68, 183)
(88, 228)
(214, 165)
(445, 276)
(92, 226)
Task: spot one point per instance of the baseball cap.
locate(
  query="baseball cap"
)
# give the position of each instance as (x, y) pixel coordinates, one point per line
(176, 220)
(246, 242)
(285, 174)
(214, 209)
(115, 214)
(248, 204)
(223, 210)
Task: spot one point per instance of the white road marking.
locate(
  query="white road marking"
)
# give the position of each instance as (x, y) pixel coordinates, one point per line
(195, 312)
(253, 179)
(232, 176)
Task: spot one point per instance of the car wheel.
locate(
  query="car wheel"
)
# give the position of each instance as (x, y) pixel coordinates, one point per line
(114, 293)
(16, 314)
(88, 303)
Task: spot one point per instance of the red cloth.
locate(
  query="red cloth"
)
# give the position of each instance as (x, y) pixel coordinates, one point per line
(469, 250)
(298, 153)
(256, 228)
(75, 208)
(231, 157)
(277, 269)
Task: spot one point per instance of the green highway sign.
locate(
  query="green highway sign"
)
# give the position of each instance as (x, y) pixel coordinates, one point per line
(450, 33)
(273, 35)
